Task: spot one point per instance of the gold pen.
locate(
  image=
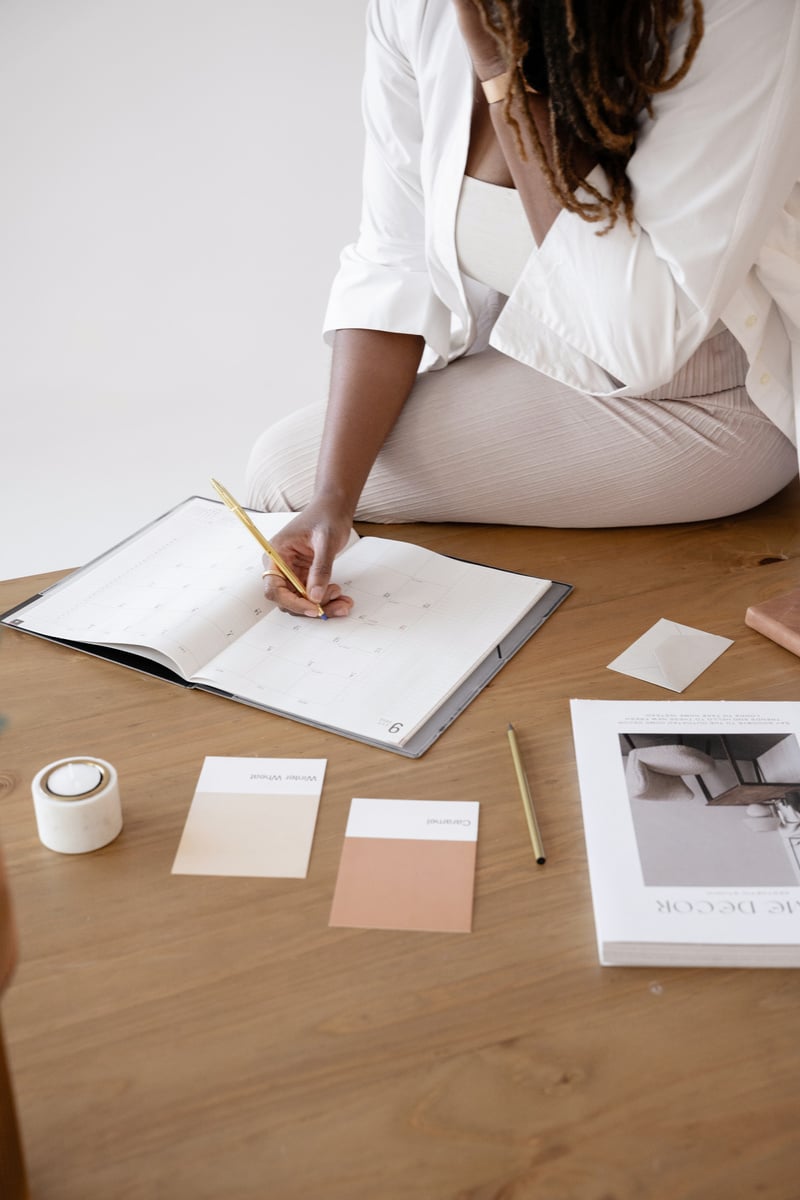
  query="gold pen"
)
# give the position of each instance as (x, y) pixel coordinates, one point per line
(525, 793)
(283, 567)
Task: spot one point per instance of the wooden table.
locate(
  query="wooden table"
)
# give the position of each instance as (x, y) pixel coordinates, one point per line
(188, 1038)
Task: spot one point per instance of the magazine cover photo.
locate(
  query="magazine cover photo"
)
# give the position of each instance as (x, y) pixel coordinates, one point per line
(715, 810)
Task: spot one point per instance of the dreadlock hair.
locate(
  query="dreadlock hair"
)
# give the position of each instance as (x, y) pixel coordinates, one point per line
(600, 62)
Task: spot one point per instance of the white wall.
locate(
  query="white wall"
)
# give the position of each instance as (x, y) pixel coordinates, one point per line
(782, 761)
(177, 178)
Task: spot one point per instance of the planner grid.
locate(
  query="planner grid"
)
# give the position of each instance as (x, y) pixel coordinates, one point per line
(187, 592)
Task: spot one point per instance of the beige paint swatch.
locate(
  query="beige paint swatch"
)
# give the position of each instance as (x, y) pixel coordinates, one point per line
(407, 864)
(252, 816)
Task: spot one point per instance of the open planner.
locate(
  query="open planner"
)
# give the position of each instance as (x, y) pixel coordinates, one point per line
(183, 599)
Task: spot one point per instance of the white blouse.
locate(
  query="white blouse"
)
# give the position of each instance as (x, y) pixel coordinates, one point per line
(717, 206)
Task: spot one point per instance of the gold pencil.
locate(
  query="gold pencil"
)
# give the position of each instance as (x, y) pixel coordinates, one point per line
(525, 793)
(283, 567)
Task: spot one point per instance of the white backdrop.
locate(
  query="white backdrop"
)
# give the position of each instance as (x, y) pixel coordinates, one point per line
(177, 178)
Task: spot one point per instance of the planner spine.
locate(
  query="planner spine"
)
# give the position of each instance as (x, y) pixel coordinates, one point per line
(778, 619)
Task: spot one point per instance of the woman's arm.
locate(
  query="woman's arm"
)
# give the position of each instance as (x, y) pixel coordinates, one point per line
(621, 313)
(371, 377)
(384, 280)
(381, 314)
(540, 204)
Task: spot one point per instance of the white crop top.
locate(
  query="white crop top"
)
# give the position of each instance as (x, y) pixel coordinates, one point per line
(493, 237)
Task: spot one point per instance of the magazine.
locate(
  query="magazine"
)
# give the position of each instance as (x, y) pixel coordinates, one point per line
(691, 813)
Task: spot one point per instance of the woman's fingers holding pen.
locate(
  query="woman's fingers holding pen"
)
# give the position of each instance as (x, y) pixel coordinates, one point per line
(320, 569)
(327, 539)
(279, 591)
(309, 545)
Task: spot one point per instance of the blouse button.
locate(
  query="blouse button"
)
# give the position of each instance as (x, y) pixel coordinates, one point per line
(751, 321)
(764, 380)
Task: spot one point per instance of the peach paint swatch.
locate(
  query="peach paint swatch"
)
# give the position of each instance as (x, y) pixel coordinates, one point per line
(252, 816)
(408, 864)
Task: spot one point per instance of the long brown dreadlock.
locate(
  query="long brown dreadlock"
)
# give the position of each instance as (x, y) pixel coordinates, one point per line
(600, 62)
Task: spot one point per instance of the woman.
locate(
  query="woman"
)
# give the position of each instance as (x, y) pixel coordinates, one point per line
(577, 281)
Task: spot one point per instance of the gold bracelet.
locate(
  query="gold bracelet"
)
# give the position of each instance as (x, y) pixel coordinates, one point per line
(496, 88)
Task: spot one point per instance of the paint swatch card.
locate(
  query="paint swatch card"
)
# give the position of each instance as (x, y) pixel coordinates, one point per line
(252, 816)
(408, 864)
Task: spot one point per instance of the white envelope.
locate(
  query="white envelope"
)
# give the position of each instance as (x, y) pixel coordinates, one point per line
(670, 655)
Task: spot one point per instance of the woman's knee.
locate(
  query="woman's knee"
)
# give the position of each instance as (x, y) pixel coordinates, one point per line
(280, 470)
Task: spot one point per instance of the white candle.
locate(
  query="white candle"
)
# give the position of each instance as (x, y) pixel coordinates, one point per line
(74, 779)
(77, 805)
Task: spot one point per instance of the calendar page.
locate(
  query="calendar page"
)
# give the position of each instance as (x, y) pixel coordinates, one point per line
(177, 592)
(186, 592)
(420, 624)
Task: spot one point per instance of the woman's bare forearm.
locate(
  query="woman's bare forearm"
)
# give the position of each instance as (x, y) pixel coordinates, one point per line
(541, 206)
(372, 375)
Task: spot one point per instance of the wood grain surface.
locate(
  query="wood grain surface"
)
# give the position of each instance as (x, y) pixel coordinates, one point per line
(187, 1038)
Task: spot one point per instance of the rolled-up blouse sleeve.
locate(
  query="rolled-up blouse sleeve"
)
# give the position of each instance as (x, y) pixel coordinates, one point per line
(619, 314)
(383, 280)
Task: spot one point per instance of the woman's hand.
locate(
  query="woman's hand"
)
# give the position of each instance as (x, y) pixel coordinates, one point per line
(486, 53)
(372, 374)
(309, 544)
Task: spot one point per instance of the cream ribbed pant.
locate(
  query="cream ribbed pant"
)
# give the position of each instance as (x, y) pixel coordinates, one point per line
(487, 439)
